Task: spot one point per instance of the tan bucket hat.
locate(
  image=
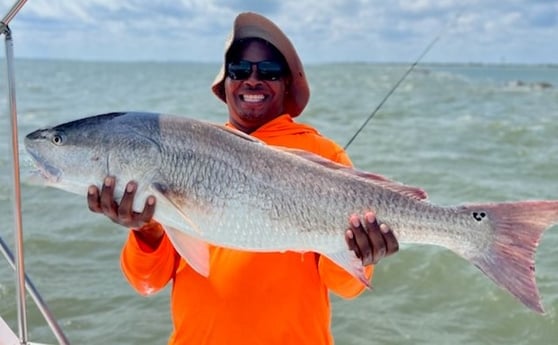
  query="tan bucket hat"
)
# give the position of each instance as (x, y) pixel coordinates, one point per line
(249, 24)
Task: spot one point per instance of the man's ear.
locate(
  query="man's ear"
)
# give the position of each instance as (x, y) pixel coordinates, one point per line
(288, 81)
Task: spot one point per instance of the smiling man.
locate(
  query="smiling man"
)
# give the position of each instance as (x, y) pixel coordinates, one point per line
(258, 79)
(249, 298)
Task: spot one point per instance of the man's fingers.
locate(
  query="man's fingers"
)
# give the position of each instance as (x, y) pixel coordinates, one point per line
(93, 200)
(361, 239)
(370, 240)
(148, 210)
(376, 239)
(108, 205)
(125, 212)
(392, 245)
(350, 239)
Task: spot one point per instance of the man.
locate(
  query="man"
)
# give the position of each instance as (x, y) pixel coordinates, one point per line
(249, 298)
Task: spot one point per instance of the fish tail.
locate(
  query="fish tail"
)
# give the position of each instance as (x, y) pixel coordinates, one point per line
(510, 259)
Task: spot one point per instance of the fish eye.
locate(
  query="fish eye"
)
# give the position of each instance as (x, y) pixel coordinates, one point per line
(57, 139)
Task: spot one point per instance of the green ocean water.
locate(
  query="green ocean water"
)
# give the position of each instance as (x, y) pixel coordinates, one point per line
(464, 133)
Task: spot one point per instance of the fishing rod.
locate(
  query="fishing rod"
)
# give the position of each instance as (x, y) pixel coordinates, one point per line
(390, 92)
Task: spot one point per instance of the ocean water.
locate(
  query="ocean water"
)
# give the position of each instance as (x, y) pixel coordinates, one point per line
(465, 133)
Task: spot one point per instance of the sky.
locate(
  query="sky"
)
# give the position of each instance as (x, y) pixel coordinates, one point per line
(464, 31)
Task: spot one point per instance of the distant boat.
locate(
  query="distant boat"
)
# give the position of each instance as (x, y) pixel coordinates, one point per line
(538, 85)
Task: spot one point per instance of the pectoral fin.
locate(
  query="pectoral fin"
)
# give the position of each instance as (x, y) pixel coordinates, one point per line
(193, 250)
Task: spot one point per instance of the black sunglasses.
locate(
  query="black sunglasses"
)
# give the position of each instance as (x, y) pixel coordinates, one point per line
(266, 70)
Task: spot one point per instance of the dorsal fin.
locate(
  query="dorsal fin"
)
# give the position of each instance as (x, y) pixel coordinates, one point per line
(410, 191)
(238, 133)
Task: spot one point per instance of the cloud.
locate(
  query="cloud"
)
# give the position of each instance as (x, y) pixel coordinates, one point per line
(268, 7)
(328, 30)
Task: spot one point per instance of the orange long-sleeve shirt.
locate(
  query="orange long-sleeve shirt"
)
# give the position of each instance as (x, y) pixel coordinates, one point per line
(248, 298)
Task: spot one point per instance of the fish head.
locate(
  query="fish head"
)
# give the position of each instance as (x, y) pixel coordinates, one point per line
(77, 154)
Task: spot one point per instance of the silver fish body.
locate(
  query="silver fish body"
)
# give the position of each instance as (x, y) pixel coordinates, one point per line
(216, 185)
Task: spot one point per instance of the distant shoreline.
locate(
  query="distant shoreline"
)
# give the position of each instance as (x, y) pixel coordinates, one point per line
(321, 63)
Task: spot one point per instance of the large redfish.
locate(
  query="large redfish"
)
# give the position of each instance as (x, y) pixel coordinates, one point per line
(215, 185)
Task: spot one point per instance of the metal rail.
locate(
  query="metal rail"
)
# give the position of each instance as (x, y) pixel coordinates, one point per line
(36, 296)
(18, 233)
(11, 13)
(22, 280)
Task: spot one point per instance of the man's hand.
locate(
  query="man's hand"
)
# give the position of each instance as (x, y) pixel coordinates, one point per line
(122, 213)
(369, 240)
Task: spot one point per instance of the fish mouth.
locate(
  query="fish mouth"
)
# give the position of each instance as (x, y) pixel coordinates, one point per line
(47, 171)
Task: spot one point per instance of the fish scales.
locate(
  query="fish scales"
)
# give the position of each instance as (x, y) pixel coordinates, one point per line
(219, 186)
(309, 200)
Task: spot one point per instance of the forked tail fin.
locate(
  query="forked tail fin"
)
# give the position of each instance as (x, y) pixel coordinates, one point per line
(510, 260)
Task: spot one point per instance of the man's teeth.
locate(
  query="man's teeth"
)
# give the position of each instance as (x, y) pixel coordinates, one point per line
(253, 98)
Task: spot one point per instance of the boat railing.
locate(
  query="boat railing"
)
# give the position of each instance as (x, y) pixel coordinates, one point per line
(23, 282)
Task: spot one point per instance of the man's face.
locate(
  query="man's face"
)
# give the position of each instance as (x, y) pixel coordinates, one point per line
(254, 99)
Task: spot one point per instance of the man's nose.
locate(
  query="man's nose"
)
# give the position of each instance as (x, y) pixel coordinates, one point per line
(254, 74)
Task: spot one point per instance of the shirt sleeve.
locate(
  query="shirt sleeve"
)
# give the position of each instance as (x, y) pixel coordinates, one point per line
(341, 282)
(148, 270)
(342, 157)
